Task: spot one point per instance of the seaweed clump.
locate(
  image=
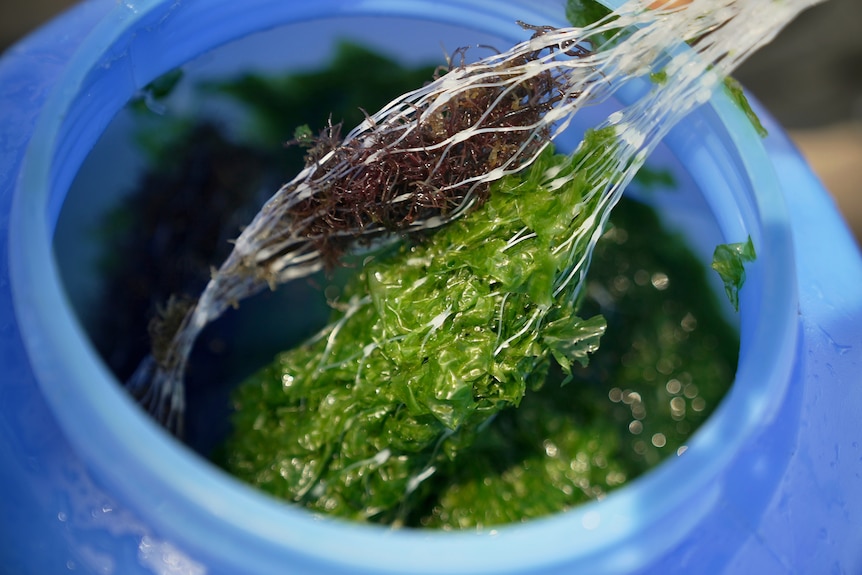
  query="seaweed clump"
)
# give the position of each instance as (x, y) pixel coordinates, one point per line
(424, 168)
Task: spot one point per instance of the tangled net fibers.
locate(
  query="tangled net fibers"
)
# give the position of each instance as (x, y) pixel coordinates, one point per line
(429, 155)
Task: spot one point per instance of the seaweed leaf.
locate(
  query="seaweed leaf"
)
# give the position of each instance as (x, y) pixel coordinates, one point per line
(728, 260)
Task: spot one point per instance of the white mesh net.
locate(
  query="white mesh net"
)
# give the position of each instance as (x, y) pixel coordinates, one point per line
(430, 155)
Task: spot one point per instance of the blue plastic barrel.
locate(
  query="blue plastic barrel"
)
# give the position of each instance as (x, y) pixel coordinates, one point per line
(772, 483)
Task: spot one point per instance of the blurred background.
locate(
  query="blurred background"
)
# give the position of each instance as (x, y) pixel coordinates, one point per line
(810, 78)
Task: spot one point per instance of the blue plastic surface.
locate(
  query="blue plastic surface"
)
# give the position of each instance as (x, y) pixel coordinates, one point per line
(90, 485)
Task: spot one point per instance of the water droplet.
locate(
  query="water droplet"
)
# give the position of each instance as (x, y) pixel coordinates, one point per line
(621, 284)
(839, 348)
(688, 323)
(591, 520)
(660, 281)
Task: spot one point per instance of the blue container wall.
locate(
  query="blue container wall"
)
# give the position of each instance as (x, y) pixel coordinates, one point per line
(89, 485)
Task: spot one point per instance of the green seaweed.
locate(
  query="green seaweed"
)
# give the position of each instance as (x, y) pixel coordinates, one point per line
(581, 13)
(737, 94)
(729, 261)
(406, 417)
(425, 347)
(666, 360)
